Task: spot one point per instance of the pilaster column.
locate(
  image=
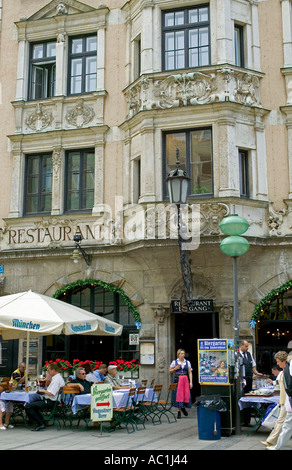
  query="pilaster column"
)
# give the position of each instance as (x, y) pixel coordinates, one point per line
(229, 167)
(22, 70)
(57, 193)
(162, 335)
(147, 162)
(147, 40)
(224, 32)
(61, 64)
(98, 175)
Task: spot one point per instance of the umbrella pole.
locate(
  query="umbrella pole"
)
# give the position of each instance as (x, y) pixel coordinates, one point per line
(27, 358)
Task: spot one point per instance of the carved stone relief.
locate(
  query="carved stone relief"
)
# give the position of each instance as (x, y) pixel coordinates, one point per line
(160, 314)
(80, 115)
(193, 88)
(39, 119)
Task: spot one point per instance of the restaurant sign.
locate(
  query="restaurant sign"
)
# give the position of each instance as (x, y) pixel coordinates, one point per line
(193, 306)
(101, 402)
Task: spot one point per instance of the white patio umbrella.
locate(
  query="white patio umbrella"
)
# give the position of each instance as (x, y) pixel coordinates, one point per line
(32, 314)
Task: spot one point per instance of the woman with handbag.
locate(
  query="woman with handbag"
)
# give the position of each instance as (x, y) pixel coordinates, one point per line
(281, 359)
(182, 370)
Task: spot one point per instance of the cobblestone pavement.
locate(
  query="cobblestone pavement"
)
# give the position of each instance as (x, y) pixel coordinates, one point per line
(178, 436)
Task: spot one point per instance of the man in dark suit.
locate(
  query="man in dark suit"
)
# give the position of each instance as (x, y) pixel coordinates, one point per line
(248, 370)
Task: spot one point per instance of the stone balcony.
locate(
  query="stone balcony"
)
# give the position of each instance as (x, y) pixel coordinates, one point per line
(59, 112)
(193, 87)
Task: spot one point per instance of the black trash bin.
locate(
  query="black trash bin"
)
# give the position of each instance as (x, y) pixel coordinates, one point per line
(209, 418)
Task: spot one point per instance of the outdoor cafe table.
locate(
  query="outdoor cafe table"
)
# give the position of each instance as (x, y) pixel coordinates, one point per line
(119, 399)
(19, 398)
(24, 397)
(259, 404)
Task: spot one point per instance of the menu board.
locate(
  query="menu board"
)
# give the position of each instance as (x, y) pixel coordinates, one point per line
(213, 361)
(101, 402)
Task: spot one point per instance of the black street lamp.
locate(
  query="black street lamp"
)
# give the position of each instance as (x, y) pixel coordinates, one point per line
(177, 184)
(78, 249)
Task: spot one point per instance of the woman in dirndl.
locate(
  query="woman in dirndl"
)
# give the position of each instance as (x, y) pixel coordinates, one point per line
(182, 370)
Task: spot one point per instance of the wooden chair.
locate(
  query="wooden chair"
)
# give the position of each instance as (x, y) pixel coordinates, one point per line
(4, 386)
(139, 405)
(5, 380)
(152, 383)
(124, 416)
(150, 408)
(67, 397)
(144, 382)
(164, 406)
(55, 414)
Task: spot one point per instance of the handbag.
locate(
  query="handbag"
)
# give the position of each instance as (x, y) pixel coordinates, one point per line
(271, 416)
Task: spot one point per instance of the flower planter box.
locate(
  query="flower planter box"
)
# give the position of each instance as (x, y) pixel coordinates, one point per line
(134, 374)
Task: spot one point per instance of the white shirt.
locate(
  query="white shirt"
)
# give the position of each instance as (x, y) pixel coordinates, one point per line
(54, 387)
(91, 377)
(186, 364)
(243, 366)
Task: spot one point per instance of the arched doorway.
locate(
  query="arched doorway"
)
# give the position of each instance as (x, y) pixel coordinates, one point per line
(103, 299)
(272, 320)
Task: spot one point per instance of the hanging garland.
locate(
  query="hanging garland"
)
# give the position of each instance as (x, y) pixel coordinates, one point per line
(105, 285)
(268, 299)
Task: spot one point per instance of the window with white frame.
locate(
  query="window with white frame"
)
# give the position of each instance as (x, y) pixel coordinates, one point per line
(82, 64)
(186, 38)
(238, 45)
(194, 147)
(38, 184)
(79, 180)
(243, 173)
(42, 70)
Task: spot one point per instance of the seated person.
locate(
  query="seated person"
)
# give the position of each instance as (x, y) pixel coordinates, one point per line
(113, 380)
(273, 379)
(90, 377)
(100, 372)
(7, 408)
(18, 376)
(80, 379)
(48, 398)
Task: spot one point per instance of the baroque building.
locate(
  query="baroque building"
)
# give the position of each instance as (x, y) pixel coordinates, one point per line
(98, 99)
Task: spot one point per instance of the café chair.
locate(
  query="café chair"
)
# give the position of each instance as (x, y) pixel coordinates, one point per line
(124, 416)
(150, 408)
(67, 397)
(55, 414)
(164, 406)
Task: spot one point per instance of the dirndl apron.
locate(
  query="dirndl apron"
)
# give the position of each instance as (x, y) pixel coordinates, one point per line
(181, 397)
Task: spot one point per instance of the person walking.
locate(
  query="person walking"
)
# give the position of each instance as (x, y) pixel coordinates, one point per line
(281, 359)
(182, 370)
(286, 432)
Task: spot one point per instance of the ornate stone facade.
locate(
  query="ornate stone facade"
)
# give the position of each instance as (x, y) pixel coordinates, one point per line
(131, 230)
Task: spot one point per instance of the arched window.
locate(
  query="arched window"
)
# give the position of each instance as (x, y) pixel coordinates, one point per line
(272, 318)
(109, 302)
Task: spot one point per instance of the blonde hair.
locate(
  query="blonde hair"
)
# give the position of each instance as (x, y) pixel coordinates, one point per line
(179, 351)
(281, 355)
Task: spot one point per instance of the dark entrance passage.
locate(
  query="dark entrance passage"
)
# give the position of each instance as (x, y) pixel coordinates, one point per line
(188, 329)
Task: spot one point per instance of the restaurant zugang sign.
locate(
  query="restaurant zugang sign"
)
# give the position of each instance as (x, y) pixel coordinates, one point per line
(193, 306)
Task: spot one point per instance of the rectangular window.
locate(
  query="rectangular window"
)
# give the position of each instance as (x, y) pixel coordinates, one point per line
(38, 184)
(82, 64)
(42, 70)
(186, 38)
(79, 180)
(238, 46)
(195, 155)
(243, 173)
